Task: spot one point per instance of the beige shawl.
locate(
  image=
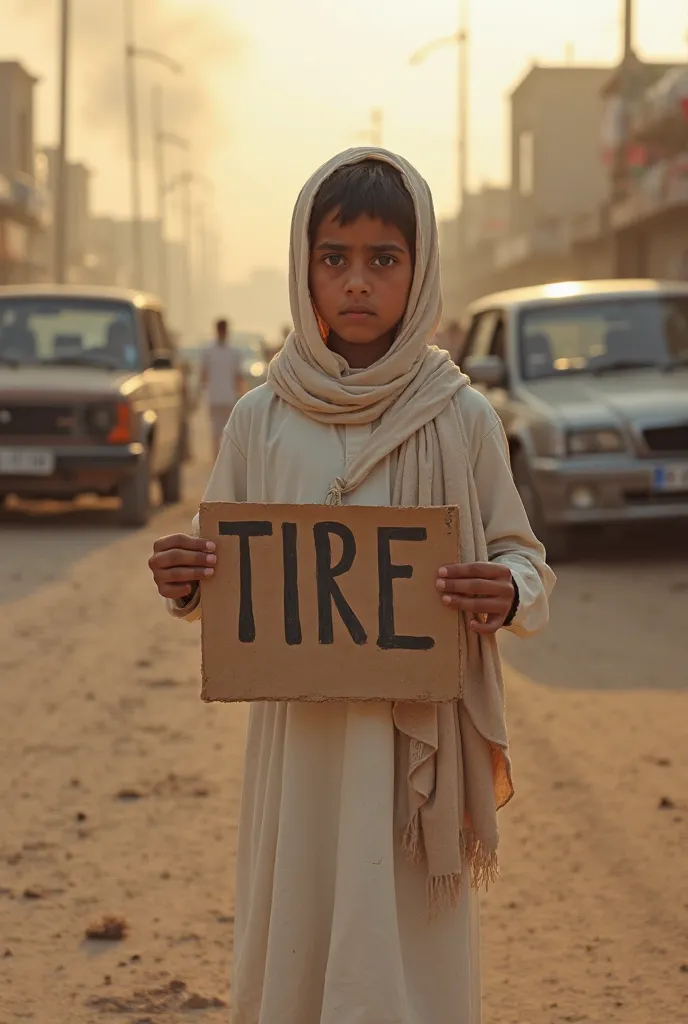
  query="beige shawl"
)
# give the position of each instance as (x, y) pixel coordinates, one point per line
(456, 757)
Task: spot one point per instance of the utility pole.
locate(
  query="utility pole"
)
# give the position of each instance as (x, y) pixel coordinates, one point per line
(134, 159)
(376, 118)
(61, 190)
(463, 79)
(187, 213)
(628, 29)
(463, 104)
(626, 94)
(207, 262)
(203, 290)
(460, 39)
(161, 189)
(626, 82)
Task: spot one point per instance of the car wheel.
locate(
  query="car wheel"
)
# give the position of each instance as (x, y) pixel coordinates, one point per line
(171, 481)
(556, 539)
(134, 495)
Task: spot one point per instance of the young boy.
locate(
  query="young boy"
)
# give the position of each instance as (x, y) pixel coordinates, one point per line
(366, 828)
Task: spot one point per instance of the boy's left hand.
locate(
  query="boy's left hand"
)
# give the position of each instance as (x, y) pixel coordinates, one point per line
(485, 589)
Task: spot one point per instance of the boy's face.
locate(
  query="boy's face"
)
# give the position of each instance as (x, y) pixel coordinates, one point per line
(360, 279)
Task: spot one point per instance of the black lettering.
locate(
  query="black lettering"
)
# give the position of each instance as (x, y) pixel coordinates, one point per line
(292, 619)
(387, 572)
(328, 590)
(244, 531)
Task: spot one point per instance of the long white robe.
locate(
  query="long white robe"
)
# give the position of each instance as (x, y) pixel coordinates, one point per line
(331, 920)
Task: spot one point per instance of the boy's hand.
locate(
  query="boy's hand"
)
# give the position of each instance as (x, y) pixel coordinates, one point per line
(484, 588)
(179, 562)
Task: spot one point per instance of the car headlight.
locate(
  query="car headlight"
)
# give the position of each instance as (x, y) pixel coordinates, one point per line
(100, 418)
(594, 442)
(109, 421)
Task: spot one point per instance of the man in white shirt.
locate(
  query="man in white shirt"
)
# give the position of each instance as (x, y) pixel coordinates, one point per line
(221, 381)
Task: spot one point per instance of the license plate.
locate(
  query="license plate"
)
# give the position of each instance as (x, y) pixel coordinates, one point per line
(26, 462)
(670, 478)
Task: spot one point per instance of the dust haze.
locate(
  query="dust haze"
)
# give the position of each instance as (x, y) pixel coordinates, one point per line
(198, 103)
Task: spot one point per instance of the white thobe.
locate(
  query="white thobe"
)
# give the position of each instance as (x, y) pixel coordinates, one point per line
(331, 921)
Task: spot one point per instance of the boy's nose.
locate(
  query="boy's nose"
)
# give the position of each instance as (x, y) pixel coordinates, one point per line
(357, 284)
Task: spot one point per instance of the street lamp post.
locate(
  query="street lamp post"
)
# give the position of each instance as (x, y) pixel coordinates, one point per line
(463, 102)
(184, 181)
(132, 52)
(372, 136)
(628, 28)
(207, 262)
(132, 122)
(60, 195)
(376, 117)
(460, 39)
(161, 191)
(207, 237)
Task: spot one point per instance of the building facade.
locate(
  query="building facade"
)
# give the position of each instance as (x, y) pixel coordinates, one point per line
(599, 183)
(23, 207)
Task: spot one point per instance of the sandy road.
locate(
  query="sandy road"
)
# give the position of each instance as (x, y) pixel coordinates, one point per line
(119, 794)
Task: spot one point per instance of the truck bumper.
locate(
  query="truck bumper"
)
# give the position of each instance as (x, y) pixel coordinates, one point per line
(82, 469)
(605, 490)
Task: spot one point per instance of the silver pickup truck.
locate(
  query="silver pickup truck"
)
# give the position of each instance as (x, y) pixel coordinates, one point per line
(590, 380)
(92, 397)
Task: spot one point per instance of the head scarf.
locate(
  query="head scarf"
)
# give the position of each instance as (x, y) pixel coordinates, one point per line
(456, 770)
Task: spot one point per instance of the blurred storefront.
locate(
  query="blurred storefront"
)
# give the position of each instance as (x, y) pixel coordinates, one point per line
(599, 183)
(78, 215)
(650, 211)
(23, 204)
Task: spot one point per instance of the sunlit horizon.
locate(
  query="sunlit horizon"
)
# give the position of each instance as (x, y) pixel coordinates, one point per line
(272, 90)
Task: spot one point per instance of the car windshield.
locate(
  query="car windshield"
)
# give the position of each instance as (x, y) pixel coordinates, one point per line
(68, 332)
(603, 336)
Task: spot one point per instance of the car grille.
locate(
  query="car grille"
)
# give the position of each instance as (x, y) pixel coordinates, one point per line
(648, 498)
(35, 420)
(667, 439)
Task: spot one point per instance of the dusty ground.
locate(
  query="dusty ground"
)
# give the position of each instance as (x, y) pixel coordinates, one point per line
(119, 794)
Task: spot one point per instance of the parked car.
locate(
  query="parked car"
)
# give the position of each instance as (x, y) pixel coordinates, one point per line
(253, 361)
(92, 399)
(591, 383)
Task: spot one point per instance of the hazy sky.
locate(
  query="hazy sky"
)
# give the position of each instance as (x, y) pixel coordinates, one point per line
(274, 87)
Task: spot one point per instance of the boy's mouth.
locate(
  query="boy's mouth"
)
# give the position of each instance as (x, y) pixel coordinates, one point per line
(358, 313)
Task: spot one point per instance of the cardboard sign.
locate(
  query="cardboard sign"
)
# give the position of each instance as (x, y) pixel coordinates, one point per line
(314, 602)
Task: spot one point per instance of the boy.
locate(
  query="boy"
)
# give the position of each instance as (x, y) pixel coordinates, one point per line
(359, 818)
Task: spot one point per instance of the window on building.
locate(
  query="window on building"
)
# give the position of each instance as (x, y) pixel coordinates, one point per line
(526, 163)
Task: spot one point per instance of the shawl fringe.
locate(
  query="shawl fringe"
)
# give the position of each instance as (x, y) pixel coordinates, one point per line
(443, 893)
(444, 890)
(482, 861)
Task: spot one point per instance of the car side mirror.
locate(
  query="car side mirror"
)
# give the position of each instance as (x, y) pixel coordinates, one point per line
(489, 371)
(162, 363)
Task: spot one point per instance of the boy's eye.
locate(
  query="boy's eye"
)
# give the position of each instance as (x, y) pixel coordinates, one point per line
(333, 259)
(384, 260)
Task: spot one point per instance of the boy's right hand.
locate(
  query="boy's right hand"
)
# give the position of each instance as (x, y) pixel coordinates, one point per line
(179, 562)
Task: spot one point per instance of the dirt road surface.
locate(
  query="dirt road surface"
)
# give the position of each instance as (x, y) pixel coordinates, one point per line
(120, 790)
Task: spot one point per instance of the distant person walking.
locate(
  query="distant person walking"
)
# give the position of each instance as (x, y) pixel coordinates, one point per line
(221, 381)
